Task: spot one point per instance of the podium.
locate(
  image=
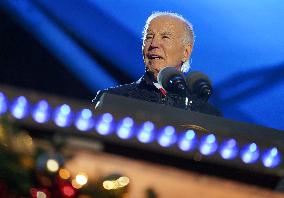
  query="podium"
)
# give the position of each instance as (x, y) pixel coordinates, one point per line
(203, 125)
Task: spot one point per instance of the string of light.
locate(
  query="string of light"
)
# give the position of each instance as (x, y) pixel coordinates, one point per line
(105, 124)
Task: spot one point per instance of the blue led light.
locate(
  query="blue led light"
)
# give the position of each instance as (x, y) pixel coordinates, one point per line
(124, 130)
(19, 108)
(84, 120)
(167, 136)
(229, 149)
(271, 158)
(3, 103)
(146, 133)
(41, 112)
(104, 126)
(208, 144)
(250, 153)
(187, 141)
(62, 115)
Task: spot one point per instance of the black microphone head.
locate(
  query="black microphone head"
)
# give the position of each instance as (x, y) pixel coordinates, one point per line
(172, 80)
(195, 76)
(166, 74)
(199, 84)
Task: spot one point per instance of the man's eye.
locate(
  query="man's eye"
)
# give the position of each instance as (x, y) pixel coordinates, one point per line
(165, 37)
(148, 37)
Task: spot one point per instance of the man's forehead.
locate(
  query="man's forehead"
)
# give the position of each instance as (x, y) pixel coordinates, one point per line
(166, 24)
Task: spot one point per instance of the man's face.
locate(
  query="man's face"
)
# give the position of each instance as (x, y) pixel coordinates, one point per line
(163, 44)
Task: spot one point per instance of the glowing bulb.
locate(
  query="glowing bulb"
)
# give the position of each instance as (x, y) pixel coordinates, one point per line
(41, 112)
(124, 131)
(84, 120)
(81, 179)
(64, 173)
(52, 165)
(107, 117)
(271, 158)
(208, 144)
(75, 184)
(86, 113)
(19, 107)
(40, 194)
(108, 185)
(167, 137)
(123, 181)
(104, 126)
(62, 115)
(188, 141)
(146, 134)
(68, 191)
(65, 109)
(229, 149)
(250, 153)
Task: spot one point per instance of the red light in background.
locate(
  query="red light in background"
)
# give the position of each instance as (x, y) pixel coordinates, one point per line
(68, 191)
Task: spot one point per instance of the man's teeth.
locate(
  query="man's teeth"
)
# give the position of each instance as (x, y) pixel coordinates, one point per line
(155, 57)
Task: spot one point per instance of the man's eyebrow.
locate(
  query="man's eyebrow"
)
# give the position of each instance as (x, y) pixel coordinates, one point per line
(166, 33)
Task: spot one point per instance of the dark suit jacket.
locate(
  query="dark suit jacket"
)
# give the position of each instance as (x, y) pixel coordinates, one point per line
(144, 89)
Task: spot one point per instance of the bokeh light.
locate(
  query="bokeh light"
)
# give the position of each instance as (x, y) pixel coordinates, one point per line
(229, 149)
(109, 185)
(208, 144)
(167, 136)
(41, 112)
(20, 107)
(123, 181)
(250, 153)
(146, 133)
(125, 129)
(75, 184)
(187, 141)
(81, 178)
(64, 173)
(104, 125)
(41, 194)
(271, 158)
(52, 165)
(84, 120)
(68, 191)
(62, 115)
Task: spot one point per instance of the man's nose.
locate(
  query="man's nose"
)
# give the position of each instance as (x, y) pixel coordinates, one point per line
(155, 43)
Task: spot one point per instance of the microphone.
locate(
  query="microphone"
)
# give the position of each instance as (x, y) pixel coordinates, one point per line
(173, 81)
(199, 85)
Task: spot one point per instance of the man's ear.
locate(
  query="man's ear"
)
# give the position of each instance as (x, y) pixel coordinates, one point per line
(187, 51)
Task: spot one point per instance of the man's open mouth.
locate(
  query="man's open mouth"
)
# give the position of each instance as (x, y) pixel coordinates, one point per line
(154, 57)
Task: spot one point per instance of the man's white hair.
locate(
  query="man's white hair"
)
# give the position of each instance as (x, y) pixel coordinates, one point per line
(189, 34)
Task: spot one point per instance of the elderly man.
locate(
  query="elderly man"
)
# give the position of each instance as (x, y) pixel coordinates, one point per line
(167, 41)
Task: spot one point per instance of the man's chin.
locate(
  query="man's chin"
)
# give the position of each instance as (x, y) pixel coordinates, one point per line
(157, 67)
(152, 72)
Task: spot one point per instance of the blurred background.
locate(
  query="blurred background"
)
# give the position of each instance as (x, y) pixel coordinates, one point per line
(72, 49)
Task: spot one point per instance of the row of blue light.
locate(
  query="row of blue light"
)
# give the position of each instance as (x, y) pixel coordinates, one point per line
(105, 124)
